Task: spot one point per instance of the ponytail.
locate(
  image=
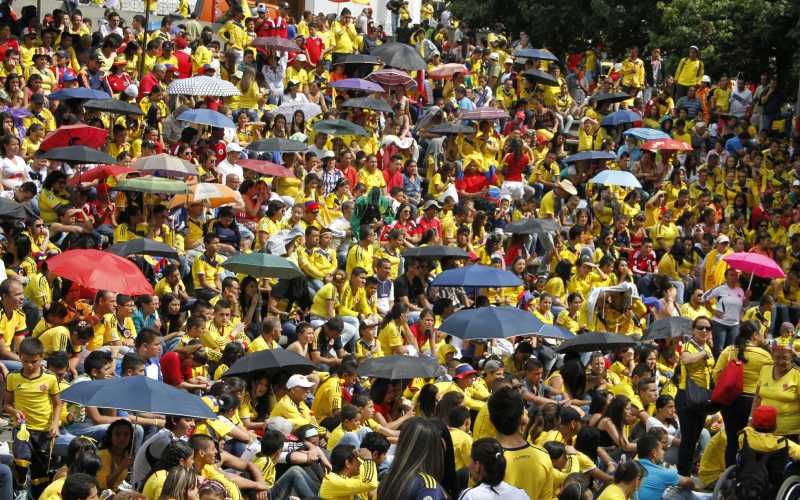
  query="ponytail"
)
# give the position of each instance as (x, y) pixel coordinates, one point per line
(746, 331)
(489, 453)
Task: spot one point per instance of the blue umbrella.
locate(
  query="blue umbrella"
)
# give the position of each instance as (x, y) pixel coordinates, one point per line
(491, 323)
(647, 134)
(590, 155)
(555, 332)
(616, 178)
(140, 394)
(620, 117)
(477, 276)
(78, 93)
(203, 116)
(543, 54)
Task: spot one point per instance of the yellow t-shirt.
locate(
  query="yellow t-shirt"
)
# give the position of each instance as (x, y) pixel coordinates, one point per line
(462, 445)
(755, 359)
(390, 337)
(319, 305)
(32, 397)
(12, 326)
(328, 398)
(784, 395)
(700, 371)
(267, 468)
(612, 492)
(529, 468)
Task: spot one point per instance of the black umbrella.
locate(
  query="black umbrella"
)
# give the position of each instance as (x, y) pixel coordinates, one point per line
(668, 328)
(532, 226)
(143, 246)
(399, 55)
(114, 106)
(596, 341)
(282, 145)
(370, 103)
(536, 76)
(397, 367)
(78, 154)
(12, 209)
(271, 362)
(451, 129)
(610, 98)
(434, 252)
(356, 59)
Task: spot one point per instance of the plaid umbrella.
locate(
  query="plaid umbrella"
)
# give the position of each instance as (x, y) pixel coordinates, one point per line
(309, 109)
(370, 103)
(400, 55)
(485, 114)
(275, 43)
(392, 78)
(203, 86)
(357, 84)
(445, 71)
(164, 164)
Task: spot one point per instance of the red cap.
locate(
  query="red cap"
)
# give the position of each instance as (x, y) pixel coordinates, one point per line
(765, 418)
(311, 206)
(181, 42)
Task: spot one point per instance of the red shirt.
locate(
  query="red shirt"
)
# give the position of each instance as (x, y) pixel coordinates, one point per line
(220, 151)
(514, 167)
(472, 183)
(392, 180)
(184, 64)
(148, 82)
(120, 82)
(423, 224)
(314, 48)
(174, 372)
(351, 174)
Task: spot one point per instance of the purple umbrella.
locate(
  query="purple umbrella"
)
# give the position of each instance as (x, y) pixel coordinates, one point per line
(357, 84)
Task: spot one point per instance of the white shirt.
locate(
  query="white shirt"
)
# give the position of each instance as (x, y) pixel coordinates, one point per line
(299, 97)
(740, 101)
(226, 168)
(15, 171)
(502, 491)
(730, 302)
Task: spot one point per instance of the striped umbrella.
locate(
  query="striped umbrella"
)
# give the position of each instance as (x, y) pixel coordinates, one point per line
(485, 114)
(392, 78)
(203, 86)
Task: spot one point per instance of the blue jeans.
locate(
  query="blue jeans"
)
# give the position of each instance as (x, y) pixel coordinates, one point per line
(13, 366)
(6, 482)
(295, 481)
(723, 336)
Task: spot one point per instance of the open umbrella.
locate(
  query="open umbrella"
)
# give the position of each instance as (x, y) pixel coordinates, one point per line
(399, 367)
(275, 43)
(77, 155)
(12, 210)
(113, 106)
(610, 97)
(434, 252)
(262, 265)
(371, 103)
(139, 394)
(590, 155)
(646, 134)
(620, 117)
(203, 86)
(99, 173)
(444, 71)
(392, 78)
(309, 110)
(755, 264)
(666, 145)
(265, 167)
(339, 127)
(491, 323)
(668, 328)
(532, 226)
(477, 276)
(616, 178)
(366, 59)
(212, 193)
(270, 362)
(554, 332)
(74, 135)
(540, 54)
(275, 144)
(596, 341)
(204, 116)
(358, 84)
(448, 128)
(143, 246)
(77, 93)
(537, 76)
(486, 113)
(100, 271)
(399, 55)
(152, 185)
(164, 164)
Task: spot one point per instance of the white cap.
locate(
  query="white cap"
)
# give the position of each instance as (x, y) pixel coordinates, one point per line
(298, 381)
(723, 239)
(238, 74)
(131, 91)
(328, 154)
(494, 56)
(234, 148)
(300, 58)
(796, 183)
(706, 79)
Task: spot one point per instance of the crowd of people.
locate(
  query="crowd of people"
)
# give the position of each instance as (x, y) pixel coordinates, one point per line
(506, 418)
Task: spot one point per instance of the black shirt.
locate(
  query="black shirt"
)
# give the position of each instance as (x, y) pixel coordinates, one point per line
(403, 287)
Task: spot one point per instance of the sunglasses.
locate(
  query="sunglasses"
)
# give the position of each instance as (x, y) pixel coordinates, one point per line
(703, 328)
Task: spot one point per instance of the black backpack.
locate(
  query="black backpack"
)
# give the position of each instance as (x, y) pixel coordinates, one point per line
(758, 474)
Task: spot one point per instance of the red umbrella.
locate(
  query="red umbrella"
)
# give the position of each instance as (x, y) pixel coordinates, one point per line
(485, 114)
(666, 145)
(75, 135)
(100, 271)
(102, 172)
(444, 71)
(267, 168)
(392, 78)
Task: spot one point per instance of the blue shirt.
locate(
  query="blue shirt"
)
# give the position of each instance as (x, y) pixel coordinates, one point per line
(656, 480)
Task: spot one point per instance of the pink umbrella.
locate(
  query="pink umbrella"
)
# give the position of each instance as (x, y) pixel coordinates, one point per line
(444, 71)
(755, 264)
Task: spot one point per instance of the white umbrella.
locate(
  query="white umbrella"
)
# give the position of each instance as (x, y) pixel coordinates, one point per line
(164, 164)
(203, 86)
(309, 110)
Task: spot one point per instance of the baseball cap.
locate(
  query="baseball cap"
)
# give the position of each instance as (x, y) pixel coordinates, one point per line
(492, 366)
(68, 76)
(233, 148)
(238, 74)
(463, 370)
(765, 418)
(206, 68)
(723, 239)
(131, 90)
(301, 58)
(159, 67)
(430, 204)
(328, 154)
(494, 56)
(37, 98)
(706, 79)
(310, 206)
(261, 8)
(181, 42)
(298, 380)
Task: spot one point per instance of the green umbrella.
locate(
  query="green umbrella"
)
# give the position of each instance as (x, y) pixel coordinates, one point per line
(262, 265)
(339, 127)
(151, 184)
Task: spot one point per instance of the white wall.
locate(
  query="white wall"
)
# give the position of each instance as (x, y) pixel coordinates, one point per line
(379, 12)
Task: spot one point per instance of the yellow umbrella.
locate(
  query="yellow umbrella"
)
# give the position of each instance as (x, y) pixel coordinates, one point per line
(215, 194)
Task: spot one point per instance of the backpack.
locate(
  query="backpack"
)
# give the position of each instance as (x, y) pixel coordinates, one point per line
(730, 384)
(759, 474)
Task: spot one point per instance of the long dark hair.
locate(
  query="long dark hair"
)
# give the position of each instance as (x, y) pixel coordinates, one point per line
(615, 411)
(488, 452)
(746, 332)
(419, 449)
(427, 400)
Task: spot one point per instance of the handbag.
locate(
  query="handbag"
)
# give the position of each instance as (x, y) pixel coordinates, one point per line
(698, 398)
(730, 384)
